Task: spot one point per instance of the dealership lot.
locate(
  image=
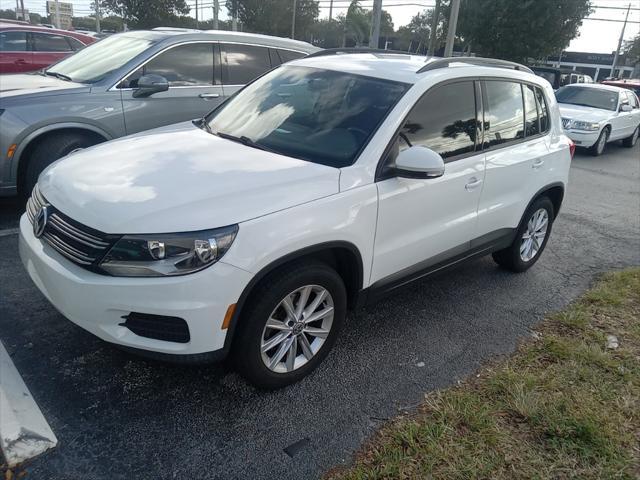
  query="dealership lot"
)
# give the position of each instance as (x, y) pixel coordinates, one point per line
(116, 415)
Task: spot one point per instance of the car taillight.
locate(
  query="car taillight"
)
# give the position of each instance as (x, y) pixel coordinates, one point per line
(572, 148)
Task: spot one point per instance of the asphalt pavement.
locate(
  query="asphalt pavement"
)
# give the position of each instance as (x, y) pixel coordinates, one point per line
(119, 416)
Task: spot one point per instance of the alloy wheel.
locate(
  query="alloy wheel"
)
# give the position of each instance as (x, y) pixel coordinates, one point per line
(297, 328)
(534, 235)
(602, 141)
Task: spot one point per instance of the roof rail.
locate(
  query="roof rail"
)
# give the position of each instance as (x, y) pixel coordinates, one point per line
(487, 62)
(175, 29)
(338, 51)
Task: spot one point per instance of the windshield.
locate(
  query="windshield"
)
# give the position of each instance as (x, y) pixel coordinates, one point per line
(588, 97)
(321, 116)
(95, 62)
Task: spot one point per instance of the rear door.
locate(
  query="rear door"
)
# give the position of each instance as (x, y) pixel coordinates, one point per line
(49, 48)
(15, 56)
(193, 73)
(242, 63)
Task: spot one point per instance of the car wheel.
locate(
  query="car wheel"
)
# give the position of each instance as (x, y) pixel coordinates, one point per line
(48, 151)
(531, 238)
(629, 142)
(598, 148)
(290, 325)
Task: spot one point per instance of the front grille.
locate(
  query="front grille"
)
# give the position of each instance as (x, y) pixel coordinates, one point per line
(82, 245)
(566, 122)
(158, 327)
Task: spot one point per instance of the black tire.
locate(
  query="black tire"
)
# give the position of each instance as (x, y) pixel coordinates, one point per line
(49, 150)
(598, 148)
(510, 257)
(246, 351)
(630, 142)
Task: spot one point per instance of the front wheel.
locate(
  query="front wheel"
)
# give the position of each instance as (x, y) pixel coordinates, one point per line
(630, 142)
(531, 238)
(290, 325)
(598, 148)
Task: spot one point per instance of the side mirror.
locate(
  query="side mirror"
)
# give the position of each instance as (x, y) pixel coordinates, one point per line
(150, 84)
(419, 162)
(625, 107)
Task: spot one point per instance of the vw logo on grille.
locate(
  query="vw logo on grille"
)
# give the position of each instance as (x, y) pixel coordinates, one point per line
(40, 221)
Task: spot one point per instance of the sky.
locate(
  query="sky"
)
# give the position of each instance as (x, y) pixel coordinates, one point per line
(595, 36)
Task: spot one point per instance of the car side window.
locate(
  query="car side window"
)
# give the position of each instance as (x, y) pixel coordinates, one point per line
(45, 42)
(13, 41)
(183, 66)
(504, 121)
(444, 120)
(74, 43)
(542, 110)
(288, 55)
(532, 122)
(633, 100)
(243, 63)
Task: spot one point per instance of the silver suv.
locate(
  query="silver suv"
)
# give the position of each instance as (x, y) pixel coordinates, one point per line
(122, 85)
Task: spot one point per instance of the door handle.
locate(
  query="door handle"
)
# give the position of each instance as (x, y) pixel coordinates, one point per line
(207, 96)
(473, 183)
(537, 163)
(20, 61)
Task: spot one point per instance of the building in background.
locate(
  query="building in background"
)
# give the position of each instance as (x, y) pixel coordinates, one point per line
(596, 65)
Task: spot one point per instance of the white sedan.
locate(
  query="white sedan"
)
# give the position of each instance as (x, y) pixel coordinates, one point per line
(593, 115)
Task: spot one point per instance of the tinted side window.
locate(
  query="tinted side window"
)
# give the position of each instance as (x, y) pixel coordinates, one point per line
(75, 43)
(288, 55)
(542, 110)
(532, 125)
(185, 65)
(504, 119)
(244, 63)
(444, 120)
(13, 41)
(44, 42)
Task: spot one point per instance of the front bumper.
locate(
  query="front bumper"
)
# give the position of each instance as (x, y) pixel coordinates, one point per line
(97, 303)
(582, 138)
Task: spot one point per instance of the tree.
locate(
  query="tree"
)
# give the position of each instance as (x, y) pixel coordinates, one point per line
(273, 17)
(414, 37)
(147, 13)
(631, 50)
(519, 30)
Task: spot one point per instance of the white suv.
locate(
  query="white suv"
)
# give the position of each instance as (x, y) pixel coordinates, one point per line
(318, 187)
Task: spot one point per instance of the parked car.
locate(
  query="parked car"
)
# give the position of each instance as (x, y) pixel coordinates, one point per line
(320, 186)
(632, 84)
(121, 85)
(593, 115)
(552, 75)
(25, 48)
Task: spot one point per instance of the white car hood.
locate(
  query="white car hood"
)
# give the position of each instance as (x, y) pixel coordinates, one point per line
(586, 114)
(178, 179)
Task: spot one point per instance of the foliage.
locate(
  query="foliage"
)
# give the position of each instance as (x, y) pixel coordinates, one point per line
(146, 13)
(34, 18)
(519, 30)
(273, 17)
(631, 49)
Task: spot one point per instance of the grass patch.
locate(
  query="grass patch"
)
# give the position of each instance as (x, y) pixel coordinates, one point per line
(564, 405)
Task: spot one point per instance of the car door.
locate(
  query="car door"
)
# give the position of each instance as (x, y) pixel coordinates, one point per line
(242, 63)
(193, 73)
(422, 222)
(516, 124)
(621, 122)
(635, 113)
(15, 56)
(48, 48)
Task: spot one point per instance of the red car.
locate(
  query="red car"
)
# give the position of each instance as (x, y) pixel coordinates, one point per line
(25, 48)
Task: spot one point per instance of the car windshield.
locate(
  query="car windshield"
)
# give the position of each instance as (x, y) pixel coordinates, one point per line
(316, 115)
(588, 97)
(95, 62)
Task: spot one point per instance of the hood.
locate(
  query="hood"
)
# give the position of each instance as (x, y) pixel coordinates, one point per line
(178, 179)
(36, 84)
(587, 114)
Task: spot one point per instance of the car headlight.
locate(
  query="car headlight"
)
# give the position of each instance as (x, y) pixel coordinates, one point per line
(588, 126)
(167, 254)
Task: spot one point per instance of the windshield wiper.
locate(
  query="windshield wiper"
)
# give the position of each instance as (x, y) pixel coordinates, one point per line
(61, 76)
(243, 140)
(202, 124)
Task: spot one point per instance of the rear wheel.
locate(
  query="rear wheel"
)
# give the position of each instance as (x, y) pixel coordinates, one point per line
(531, 238)
(49, 150)
(598, 148)
(290, 325)
(629, 142)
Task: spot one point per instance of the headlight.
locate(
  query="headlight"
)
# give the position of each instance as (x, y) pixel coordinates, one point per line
(167, 254)
(588, 126)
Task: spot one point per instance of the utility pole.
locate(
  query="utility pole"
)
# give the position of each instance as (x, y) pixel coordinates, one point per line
(434, 29)
(293, 20)
(374, 35)
(615, 57)
(234, 16)
(197, 14)
(57, 13)
(97, 16)
(216, 7)
(330, 9)
(453, 23)
(21, 9)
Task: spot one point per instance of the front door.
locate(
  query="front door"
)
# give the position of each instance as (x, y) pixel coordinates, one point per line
(422, 222)
(194, 87)
(15, 56)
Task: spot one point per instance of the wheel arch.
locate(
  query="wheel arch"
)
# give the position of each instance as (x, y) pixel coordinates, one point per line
(343, 256)
(555, 192)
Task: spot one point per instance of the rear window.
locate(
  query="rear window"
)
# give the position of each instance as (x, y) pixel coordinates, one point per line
(44, 42)
(504, 119)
